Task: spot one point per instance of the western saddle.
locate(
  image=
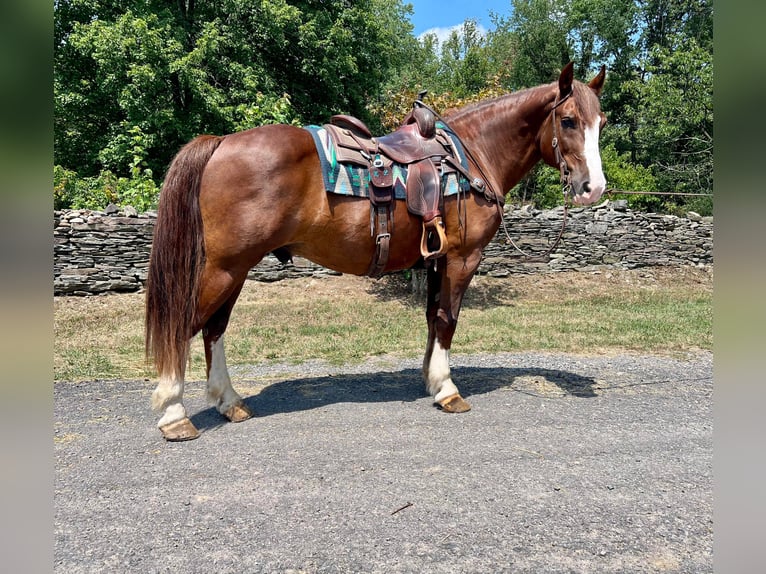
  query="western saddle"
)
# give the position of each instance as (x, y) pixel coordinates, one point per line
(427, 153)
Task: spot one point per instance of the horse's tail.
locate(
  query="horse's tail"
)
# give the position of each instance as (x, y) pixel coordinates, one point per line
(177, 259)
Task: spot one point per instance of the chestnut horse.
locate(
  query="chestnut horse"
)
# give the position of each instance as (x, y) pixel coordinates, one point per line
(229, 201)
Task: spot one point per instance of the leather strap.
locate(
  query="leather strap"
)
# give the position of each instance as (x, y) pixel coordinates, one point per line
(382, 231)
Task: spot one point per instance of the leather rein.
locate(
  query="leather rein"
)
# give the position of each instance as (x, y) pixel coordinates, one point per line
(485, 188)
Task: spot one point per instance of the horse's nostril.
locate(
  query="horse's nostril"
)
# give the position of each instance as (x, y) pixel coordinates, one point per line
(586, 187)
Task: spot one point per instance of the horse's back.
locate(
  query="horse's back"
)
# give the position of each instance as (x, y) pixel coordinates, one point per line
(263, 190)
(266, 151)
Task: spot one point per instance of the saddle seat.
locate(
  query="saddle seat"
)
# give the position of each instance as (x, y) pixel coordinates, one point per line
(415, 140)
(419, 146)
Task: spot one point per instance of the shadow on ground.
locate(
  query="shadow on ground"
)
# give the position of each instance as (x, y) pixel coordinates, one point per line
(479, 295)
(400, 386)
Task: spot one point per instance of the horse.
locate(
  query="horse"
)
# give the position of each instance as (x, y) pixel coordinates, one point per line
(228, 201)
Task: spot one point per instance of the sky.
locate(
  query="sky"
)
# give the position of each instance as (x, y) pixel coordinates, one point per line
(440, 16)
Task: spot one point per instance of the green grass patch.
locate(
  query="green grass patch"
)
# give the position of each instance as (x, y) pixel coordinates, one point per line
(344, 320)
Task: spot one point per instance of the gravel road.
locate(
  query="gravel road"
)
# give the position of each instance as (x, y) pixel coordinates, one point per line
(565, 464)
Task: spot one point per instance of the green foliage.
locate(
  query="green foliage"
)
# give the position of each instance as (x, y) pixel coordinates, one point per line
(538, 30)
(658, 93)
(542, 188)
(73, 192)
(134, 80)
(163, 72)
(264, 110)
(622, 174)
(139, 190)
(674, 117)
(464, 68)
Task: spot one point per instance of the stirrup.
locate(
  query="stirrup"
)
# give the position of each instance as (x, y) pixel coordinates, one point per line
(436, 225)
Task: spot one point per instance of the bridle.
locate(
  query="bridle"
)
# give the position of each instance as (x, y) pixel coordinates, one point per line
(566, 188)
(566, 176)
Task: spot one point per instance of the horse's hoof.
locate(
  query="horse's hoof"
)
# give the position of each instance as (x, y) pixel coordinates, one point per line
(454, 404)
(238, 413)
(179, 431)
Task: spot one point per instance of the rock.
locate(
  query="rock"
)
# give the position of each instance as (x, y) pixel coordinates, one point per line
(619, 204)
(598, 228)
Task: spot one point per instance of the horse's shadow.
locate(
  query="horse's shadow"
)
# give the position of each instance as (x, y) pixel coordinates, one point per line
(407, 385)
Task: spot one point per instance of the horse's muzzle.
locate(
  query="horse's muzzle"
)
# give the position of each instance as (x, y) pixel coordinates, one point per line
(586, 193)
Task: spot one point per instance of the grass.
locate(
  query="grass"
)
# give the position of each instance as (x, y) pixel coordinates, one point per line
(645, 322)
(347, 319)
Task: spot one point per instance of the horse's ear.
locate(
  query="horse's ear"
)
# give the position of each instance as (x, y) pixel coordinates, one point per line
(565, 80)
(597, 83)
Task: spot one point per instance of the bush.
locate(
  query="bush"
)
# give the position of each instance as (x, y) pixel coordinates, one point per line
(73, 192)
(622, 174)
(541, 187)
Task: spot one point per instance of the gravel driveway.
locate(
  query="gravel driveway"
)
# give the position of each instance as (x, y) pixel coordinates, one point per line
(565, 464)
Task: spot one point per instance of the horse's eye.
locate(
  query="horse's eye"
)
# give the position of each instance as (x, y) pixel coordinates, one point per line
(568, 123)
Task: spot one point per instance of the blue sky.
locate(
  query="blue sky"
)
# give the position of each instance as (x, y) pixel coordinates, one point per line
(445, 14)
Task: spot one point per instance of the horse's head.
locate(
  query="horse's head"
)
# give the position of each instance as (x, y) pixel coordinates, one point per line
(569, 137)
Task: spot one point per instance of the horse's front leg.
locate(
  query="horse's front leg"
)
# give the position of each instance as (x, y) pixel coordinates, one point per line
(445, 295)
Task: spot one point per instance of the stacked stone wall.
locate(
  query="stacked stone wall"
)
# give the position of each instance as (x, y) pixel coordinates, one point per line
(97, 252)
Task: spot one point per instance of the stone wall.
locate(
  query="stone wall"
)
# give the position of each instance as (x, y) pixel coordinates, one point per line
(97, 252)
(609, 235)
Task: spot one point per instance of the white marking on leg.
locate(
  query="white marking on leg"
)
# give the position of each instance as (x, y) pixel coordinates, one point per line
(219, 389)
(438, 378)
(168, 397)
(596, 177)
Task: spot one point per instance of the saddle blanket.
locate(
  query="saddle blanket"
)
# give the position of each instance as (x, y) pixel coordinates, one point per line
(354, 180)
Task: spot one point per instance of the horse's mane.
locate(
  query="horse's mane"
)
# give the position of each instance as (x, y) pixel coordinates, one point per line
(511, 98)
(519, 97)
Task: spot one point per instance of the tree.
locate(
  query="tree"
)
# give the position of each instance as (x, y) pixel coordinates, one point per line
(538, 31)
(658, 94)
(662, 110)
(145, 76)
(135, 79)
(674, 127)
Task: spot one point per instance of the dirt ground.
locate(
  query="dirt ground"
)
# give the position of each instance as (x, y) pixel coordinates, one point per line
(539, 286)
(530, 287)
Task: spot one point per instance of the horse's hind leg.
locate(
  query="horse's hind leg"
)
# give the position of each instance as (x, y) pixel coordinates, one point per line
(218, 293)
(219, 390)
(168, 397)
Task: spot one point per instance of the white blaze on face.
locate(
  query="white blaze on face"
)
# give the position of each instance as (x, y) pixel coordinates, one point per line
(596, 179)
